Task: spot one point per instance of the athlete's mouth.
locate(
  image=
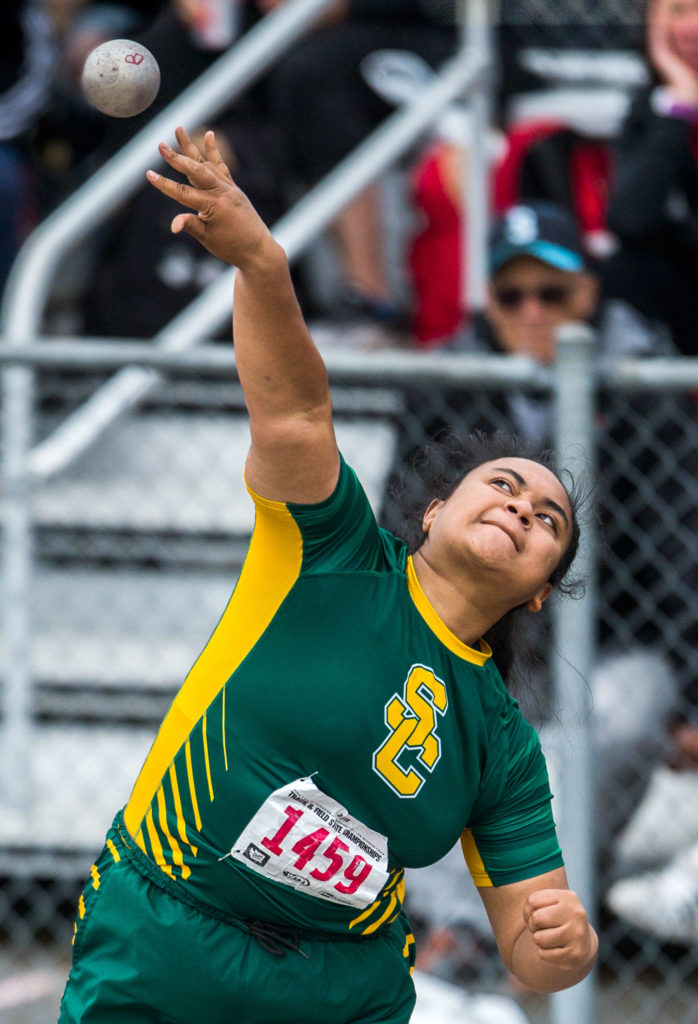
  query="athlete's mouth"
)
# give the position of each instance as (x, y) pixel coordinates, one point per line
(505, 529)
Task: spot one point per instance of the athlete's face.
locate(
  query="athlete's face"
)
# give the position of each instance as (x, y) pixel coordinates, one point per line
(507, 524)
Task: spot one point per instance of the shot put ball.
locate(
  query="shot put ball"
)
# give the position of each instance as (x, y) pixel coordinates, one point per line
(120, 78)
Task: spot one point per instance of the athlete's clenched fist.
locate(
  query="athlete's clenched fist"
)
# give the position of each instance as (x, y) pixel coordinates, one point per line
(560, 928)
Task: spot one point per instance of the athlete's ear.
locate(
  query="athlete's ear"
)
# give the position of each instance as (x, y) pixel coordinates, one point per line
(535, 603)
(432, 508)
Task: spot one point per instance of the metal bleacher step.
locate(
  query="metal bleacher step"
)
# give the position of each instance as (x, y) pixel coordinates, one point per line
(180, 475)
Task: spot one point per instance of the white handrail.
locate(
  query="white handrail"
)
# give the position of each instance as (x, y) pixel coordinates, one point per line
(348, 366)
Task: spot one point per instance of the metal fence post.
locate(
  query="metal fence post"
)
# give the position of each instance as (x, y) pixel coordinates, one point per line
(575, 631)
(477, 36)
(17, 696)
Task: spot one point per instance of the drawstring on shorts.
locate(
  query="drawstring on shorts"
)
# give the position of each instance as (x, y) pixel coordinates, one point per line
(274, 939)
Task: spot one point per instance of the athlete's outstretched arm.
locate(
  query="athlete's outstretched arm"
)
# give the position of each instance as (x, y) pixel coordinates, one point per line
(294, 455)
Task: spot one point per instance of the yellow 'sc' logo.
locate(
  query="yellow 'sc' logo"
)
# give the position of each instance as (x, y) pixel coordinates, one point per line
(411, 719)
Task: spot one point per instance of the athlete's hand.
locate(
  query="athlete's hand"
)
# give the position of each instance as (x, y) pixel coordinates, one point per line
(225, 221)
(560, 928)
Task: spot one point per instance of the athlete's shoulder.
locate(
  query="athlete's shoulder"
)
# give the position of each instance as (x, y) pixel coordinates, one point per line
(341, 533)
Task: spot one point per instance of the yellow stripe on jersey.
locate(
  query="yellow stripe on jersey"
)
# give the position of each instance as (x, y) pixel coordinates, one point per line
(192, 787)
(397, 882)
(393, 905)
(181, 826)
(438, 626)
(225, 750)
(95, 876)
(155, 844)
(206, 759)
(409, 941)
(81, 906)
(140, 841)
(365, 913)
(271, 567)
(113, 851)
(173, 844)
(474, 861)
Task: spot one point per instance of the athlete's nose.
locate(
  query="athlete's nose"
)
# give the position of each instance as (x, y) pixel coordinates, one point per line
(521, 508)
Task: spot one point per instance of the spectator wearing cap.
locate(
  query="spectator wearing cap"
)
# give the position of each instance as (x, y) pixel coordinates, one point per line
(538, 280)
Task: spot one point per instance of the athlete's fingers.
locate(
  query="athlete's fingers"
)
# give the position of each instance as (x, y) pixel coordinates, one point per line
(562, 956)
(545, 898)
(551, 938)
(187, 146)
(201, 175)
(213, 154)
(189, 223)
(194, 198)
(544, 917)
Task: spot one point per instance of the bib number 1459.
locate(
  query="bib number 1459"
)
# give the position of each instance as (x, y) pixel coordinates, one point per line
(303, 838)
(308, 846)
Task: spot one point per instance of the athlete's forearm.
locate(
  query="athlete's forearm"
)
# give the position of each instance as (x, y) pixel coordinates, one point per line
(281, 371)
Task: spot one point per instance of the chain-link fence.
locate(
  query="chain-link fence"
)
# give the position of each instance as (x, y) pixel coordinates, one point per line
(137, 547)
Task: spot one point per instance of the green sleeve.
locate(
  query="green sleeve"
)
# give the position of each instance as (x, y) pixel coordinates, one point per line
(511, 833)
(340, 534)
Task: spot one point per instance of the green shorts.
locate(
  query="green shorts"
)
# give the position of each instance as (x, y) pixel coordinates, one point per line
(142, 955)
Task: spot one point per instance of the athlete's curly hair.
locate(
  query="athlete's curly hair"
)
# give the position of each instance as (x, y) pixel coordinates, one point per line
(436, 471)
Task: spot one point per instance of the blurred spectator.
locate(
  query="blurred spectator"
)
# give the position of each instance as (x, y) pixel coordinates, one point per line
(654, 204)
(563, 86)
(28, 65)
(545, 160)
(663, 903)
(319, 97)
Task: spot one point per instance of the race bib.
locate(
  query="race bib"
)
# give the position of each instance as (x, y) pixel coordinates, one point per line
(303, 838)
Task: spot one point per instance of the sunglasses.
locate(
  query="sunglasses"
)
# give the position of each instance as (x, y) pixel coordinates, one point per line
(546, 295)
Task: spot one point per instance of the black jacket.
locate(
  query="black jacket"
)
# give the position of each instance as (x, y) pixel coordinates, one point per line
(654, 201)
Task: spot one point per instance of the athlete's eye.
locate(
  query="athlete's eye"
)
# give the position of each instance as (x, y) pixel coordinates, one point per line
(506, 485)
(547, 518)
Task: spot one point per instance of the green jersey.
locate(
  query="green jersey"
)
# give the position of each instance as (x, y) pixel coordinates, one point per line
(333, 732)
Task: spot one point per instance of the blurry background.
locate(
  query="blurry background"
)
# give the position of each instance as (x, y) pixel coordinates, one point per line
(125, 518)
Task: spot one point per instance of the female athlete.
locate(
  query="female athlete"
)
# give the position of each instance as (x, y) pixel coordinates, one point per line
(345, 720)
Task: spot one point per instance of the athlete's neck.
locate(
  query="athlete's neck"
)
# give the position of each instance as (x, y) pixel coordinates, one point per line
(457, 605)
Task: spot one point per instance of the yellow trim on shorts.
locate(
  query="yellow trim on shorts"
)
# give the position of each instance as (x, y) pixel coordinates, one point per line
(113, 851)
(271, 568)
